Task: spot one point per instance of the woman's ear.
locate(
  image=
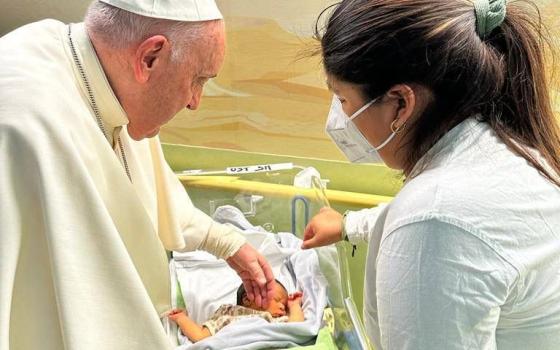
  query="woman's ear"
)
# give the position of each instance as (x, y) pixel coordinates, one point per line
(405, 98)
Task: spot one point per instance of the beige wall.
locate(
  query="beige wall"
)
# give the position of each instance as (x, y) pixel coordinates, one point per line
(14, 13)
(265, 99)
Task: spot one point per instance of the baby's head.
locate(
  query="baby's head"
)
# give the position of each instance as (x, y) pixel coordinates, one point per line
(277, 307)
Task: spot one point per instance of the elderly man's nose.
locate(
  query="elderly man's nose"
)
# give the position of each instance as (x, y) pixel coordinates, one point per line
(195, 101)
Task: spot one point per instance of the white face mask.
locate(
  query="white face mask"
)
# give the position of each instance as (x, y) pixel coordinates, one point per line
(348, 137)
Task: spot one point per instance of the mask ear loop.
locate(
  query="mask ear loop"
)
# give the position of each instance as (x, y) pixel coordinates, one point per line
(359, 111)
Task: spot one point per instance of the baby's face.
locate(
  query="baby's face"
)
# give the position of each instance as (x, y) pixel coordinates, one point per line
(278, 305)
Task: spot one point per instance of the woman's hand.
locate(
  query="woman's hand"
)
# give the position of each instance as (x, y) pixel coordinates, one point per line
(325, 228)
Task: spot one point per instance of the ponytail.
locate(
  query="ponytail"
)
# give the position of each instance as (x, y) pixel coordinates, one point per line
(526, 116)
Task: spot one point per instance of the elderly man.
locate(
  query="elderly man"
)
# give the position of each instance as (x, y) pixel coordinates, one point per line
(88, 205)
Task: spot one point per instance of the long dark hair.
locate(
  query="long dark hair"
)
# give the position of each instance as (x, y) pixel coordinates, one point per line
(380, 43)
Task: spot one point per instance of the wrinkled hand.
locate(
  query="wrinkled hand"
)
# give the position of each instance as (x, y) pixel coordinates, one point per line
(324, 228)
(295, 299)
(176, 314)
(255, 272)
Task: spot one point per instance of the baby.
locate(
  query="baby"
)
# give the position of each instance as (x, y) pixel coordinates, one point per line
(282, 308)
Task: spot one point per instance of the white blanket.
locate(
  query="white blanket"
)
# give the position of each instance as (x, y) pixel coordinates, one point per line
(206, 283)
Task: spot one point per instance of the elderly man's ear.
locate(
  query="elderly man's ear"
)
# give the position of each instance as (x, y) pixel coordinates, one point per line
(151, 54)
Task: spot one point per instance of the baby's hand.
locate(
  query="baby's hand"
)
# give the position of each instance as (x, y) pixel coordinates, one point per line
(295, 299)
(177, 314)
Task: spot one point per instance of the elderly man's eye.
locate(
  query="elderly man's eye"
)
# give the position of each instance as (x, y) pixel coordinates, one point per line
(200, 81)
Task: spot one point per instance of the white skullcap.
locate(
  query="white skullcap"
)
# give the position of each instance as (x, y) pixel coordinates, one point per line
(176, 10)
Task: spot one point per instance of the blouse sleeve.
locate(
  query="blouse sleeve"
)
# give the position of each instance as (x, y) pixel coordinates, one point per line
(440, 287)
(359, 225)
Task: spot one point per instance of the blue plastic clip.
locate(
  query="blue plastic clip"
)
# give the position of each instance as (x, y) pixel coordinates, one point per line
(305, 202)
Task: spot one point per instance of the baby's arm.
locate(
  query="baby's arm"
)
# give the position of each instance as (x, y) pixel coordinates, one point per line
(295, 312)
(189, 328)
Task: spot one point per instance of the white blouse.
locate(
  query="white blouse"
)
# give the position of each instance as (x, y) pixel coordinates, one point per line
(467, 255)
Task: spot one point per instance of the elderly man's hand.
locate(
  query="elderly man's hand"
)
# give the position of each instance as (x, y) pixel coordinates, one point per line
(255, 273)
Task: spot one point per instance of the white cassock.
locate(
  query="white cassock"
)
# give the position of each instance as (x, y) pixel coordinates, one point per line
(82, 249)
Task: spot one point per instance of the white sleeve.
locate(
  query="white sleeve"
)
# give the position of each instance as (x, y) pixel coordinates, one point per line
(440, 287)
(199, 231)
(202, 232)
(359, 225)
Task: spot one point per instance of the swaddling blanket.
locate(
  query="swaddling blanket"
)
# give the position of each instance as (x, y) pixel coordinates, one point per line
(206, 283)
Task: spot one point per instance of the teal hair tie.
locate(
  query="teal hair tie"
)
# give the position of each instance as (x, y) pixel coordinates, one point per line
(490, 14)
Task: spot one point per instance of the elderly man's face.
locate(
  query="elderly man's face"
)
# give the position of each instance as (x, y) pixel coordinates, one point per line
(178, 84)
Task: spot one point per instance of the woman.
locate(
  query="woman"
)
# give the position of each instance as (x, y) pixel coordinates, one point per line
(453, 93)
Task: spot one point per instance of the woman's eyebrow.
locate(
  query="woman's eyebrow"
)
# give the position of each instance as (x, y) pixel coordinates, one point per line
(331, 88)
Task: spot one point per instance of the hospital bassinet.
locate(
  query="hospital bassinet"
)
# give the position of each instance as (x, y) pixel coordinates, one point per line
(268, 199)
